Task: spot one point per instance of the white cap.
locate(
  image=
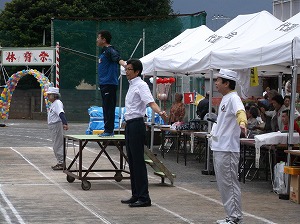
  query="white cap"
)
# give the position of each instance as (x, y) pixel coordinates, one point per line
(241, 76)
(53, 90)
(228, 74)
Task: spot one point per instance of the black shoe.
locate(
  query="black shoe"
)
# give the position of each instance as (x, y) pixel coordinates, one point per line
(140, 204)
(129, 201)
(58, 166)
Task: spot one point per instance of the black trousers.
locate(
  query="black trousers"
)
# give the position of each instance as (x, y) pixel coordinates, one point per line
(135, 133)
(109, 100)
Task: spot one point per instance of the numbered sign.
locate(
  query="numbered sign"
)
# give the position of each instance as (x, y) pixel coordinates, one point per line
(189, 98)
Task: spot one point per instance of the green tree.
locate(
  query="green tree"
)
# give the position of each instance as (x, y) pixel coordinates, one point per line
(75, 26)
(27, 23)
(24, 22)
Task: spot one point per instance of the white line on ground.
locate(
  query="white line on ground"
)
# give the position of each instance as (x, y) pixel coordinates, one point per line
(64, 190)
(162, 208)
(220, 203)
(113, 182)
(200, 195)
(12, 208)
(4, 213)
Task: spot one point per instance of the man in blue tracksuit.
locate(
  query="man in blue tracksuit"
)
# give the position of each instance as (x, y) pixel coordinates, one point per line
(108, 71)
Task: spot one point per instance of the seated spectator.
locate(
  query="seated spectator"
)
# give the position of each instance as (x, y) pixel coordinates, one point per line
(288, 87)
(267, 112)
(276, 122)
(265, 100)
(177, 111)
(255, 123)
(285, 120)
(203, 106)
(252, 114)
(287, 104)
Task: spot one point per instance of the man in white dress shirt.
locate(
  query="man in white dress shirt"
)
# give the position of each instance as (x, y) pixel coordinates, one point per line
(136, 101)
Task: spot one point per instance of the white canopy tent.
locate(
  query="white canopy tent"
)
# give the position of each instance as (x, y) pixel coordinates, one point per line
(278, 47)
(237, 32)
(247, 41)
(185, 56)
(183, 40)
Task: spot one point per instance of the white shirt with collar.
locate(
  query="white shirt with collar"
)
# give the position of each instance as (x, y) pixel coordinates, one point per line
(137, 98)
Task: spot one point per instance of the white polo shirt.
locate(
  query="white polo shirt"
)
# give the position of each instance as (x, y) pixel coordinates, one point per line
(137, 98)
(55, 109)
(226, 133)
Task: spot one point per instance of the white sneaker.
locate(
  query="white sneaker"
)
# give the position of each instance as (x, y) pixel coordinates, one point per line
(228, 221)
(222, 220)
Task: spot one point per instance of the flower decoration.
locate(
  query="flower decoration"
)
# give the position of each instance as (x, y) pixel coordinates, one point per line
(11, 84)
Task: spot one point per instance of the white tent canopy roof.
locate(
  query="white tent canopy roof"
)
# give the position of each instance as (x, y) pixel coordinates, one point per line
(183, 40)
(236, 33)
(279, 46)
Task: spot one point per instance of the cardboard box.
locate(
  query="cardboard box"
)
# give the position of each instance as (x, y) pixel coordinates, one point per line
(97, 132)
(295, 188)
(293, 170)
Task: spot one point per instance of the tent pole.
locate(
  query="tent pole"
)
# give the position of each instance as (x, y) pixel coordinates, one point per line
(207, 168)
(211, 82)
(293, 100)
(153, 113)
(292, 114)
(280, 83)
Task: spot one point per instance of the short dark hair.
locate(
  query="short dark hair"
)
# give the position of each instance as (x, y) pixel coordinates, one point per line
(254, 111)
(231, 83)
(136, 65)
(180, 96)
(287, 96)
(286, 112)
(279, 99)
(105, 34)
(272, 93)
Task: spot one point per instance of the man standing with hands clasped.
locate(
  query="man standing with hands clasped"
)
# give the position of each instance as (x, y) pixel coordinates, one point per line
(57, 122)
(225, 144)
(108, 73)
(137, 98)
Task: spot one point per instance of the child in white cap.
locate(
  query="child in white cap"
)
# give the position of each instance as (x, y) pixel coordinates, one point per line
(225, 144)
(57, 122)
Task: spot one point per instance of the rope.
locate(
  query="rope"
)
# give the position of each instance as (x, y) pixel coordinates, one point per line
(80, 53)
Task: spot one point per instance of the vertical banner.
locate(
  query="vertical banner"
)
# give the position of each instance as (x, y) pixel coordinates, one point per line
(189, 98)
(254, 77)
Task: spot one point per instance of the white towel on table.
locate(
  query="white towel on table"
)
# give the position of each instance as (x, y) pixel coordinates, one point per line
(272, 138)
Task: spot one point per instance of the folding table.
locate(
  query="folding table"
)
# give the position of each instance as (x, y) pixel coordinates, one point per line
(76, 170)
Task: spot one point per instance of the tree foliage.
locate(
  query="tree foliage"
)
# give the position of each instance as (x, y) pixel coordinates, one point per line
(24, 22)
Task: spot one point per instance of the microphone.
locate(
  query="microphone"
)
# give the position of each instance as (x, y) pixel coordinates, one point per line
(211, 120)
